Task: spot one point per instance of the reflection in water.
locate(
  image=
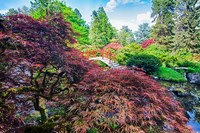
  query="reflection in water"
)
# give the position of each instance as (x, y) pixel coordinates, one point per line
(188, 95)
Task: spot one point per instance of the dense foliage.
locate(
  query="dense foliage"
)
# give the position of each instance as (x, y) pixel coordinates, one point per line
(48, 86)
(163, 12)
(187, 26)
(35, 65)
(148, 62)
(42, 9)
(143, 33)
(125, 36)
(101, 31)
(177, 24)
(147, 42)
(124, 101)
(167, 57)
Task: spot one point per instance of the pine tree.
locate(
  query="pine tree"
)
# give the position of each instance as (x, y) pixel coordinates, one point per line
(163, 11)
(143, 33)
(101, 31)
(126, 36)
(187, 26)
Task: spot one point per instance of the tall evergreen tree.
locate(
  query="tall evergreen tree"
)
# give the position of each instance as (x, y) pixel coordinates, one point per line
(44, 8)
(101, 31)
(12, 11)
(163, 11)
(143, 33)
(187, 25)
(22, 10)
(126, 36)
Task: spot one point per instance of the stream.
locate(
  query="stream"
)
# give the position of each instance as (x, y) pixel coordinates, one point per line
(189, 95)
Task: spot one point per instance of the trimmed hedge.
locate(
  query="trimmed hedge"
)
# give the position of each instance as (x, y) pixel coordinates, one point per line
(149, 63)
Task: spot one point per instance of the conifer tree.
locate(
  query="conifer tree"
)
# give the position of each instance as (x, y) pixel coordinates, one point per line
(143, 33)
(163, 12)
(101, 31)
(126, 36)
(187, 26)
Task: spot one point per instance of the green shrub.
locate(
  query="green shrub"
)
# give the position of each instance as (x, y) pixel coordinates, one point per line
(101, 64)
(128, 51)
(148, 62)
(167, 57)
(192, 66)
(170, 75)
(187, 64)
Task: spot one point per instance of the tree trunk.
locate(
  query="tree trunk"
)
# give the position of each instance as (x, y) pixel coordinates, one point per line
(37, 107)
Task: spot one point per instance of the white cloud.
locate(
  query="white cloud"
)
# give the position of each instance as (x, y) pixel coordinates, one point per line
(144, 18)
(3, 11)
(133, 24)
(119, 23)
(112, 4)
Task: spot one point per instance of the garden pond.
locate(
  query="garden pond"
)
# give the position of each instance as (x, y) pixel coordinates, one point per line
(189, 95)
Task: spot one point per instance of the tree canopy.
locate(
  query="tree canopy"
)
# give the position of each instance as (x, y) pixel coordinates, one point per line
(126, 36)
(42, 9)
(101, 31)
(143, 33)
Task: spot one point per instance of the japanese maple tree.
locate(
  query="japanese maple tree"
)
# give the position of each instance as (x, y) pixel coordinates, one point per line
(35, 64)
(147, 43)
(123, 100)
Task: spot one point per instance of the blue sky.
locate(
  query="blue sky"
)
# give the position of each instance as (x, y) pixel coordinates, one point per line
(120, 12)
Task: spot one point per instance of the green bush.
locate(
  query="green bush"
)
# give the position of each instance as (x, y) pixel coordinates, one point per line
(192, 66)
(128, 51)
(102, 64)
(167, 57)
(148, 62)
(170, 75)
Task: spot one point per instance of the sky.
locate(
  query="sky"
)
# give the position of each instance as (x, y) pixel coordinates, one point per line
(129, 13)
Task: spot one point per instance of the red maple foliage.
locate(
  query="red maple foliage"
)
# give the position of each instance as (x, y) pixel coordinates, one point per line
(35, 63)
(123, 100)
(147, 43)
(114, 46)
(109, 50)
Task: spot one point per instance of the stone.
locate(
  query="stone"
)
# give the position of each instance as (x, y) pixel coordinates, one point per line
(193, 78)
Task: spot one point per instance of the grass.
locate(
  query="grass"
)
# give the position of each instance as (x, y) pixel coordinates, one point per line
(192, 66)
(102, 64)
(194, 69)
(170, 75)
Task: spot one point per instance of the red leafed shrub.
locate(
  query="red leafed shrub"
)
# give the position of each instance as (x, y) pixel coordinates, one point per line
(35, 64)
(114, 46)
(124, 101)
(148, 42)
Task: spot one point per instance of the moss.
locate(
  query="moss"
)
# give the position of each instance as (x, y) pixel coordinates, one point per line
(170, 75)
(45, 128)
